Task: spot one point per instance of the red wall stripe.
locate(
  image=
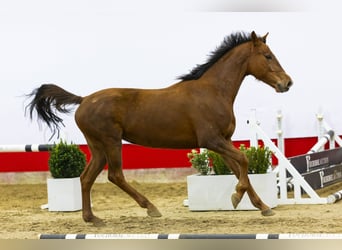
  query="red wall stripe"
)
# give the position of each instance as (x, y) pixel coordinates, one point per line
(136, 157)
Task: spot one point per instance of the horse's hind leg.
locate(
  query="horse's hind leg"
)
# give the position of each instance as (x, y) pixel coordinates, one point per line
(115, 175)
(88, 177)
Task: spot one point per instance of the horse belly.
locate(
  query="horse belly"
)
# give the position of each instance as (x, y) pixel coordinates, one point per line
(171, 136)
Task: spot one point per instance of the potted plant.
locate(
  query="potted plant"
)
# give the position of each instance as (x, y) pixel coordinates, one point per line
(212, 191)
(200, 161)
(66, 163)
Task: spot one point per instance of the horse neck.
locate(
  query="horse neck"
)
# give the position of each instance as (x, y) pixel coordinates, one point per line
(229, 71)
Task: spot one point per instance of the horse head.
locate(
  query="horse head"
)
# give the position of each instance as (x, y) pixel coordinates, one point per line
(265, 67)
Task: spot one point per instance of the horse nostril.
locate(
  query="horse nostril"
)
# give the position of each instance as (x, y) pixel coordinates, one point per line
(289, 84)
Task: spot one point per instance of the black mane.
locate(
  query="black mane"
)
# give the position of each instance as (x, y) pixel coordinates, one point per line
(228, 43)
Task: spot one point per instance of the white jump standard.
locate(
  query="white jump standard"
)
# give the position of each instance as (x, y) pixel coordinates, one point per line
(285, 168)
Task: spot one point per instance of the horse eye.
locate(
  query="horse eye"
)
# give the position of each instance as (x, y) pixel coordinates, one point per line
(268, 57)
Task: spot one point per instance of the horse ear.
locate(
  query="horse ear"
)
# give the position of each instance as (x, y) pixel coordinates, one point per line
(264, 37)
(255, 38)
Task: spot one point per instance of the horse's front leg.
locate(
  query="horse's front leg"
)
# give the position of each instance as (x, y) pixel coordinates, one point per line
(238, 163)
(258, 203)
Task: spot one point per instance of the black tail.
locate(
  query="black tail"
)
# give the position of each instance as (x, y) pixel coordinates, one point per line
(47, 100)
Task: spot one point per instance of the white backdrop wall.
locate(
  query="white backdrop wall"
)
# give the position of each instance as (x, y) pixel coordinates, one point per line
(84, 46)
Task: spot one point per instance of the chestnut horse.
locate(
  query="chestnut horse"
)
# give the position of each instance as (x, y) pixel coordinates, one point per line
(195, 112)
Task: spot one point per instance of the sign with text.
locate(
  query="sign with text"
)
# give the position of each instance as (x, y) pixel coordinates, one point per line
(319, 169)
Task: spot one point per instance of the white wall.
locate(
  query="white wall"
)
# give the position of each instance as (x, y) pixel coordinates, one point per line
(84, 46)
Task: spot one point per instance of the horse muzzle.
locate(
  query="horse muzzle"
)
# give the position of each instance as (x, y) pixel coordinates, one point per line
(284, 86)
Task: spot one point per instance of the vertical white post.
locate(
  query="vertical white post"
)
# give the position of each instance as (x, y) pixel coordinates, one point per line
(253, 134)
(322, 129)
(332, 142)
(319, 117)
(280, 142)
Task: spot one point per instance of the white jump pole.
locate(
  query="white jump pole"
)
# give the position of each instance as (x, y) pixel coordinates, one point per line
(327, 137)
(325, 125)
(335, 197)
(25, 148)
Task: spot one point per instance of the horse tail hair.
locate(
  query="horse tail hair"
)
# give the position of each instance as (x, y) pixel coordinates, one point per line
(49, 99)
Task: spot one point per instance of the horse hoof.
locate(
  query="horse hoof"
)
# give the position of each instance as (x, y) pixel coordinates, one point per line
(95, 221)
(268, 212)
(88, 218)
(153, 212)
(235, 200)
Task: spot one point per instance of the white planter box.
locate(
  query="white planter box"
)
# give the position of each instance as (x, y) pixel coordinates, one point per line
(64, 194)
(213, 192)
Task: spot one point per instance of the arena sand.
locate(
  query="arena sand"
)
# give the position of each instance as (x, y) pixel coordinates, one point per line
(22, 218)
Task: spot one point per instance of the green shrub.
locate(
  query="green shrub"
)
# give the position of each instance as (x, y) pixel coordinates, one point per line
(206, 160)
(199, 161)
(219, 166)
(259, 159)
(66, 160)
